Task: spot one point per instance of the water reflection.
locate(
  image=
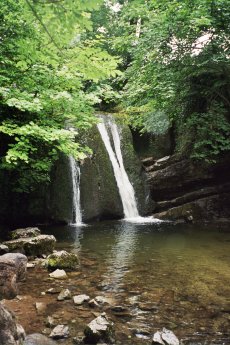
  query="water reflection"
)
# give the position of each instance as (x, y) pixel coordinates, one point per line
(78, 234)
(120, 257)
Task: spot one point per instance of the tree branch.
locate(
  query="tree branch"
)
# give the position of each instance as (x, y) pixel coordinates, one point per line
(42, 24)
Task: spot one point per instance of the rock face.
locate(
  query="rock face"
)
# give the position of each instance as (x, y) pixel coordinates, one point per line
(165, 337)
(62, 260)
(187, 191)
(97, 178)
(10, 332)
(38, 339)
(33, 246)
(100, 329)
(12, 269)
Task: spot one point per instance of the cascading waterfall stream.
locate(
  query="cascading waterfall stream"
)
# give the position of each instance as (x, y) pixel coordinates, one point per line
(125, 187)
(76, 206)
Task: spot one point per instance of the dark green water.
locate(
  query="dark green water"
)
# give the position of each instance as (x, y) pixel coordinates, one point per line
(173, 276)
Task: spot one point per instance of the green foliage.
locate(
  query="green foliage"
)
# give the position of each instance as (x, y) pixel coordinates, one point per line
(177, 68)
(46, 60)
(212, 133)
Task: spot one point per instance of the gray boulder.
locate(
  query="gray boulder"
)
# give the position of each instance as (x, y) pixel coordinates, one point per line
(33, 246)
(13, 268)
(100, 329)
(24, 233)
(10, 332)
(165, 337)
(38, 339)
(62, 260)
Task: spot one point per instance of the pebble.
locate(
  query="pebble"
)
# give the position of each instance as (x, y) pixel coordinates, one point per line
(58, 274)
(60, 332)
(64, 294)
(80, 299)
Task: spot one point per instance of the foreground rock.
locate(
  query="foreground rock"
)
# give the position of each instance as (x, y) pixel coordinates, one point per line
(100, 329)
(33, 246)
(38, 339)
(60, 332)
(12, 269)
(165, 337)
(24, 233)
(10, 332)
(62, 260)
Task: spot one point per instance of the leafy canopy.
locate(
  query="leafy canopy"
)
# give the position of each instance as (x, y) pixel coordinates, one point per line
(46, 60)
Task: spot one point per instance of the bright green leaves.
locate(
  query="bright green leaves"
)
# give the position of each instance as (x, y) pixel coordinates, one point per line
(46, 61)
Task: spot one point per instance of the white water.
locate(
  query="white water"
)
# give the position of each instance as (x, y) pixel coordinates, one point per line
(76, 207)
(125, 187)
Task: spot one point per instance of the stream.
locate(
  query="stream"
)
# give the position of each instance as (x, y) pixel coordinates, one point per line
(162, 275)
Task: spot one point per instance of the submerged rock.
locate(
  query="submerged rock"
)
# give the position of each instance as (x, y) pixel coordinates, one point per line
(33, 246)
(60, 332)
(80, 299)
(64, 294)
(100, 329)
(12, 269)
(58, 274)
(10, 332)
(24, 233)
(93, 303)
(50, 322)
(62, 260)
(165, 337)
(38, 339)
(40, 307)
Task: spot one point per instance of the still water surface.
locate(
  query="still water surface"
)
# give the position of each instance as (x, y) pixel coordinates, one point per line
(164, 275)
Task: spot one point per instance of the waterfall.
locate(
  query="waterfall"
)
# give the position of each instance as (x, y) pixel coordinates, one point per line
(75, 177)
(125, 187)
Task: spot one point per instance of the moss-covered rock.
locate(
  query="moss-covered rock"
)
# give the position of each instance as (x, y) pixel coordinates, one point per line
(23, 233)
(33, 246)
(62, 260)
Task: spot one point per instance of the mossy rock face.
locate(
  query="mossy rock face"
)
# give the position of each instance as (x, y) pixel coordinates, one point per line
(136, 174)
(100, 198)
(60, 201)
(62, 260)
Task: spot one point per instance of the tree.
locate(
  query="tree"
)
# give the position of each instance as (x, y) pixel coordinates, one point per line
(178, 70)
(46, 59)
